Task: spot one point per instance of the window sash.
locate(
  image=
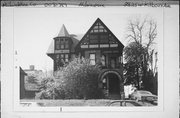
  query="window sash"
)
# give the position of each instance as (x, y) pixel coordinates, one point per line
(103, 60)
(62, 43)
(92, 58)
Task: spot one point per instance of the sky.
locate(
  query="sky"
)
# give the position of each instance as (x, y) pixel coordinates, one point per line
(35, 28)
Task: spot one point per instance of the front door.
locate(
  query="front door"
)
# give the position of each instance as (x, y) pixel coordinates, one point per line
(113, 84)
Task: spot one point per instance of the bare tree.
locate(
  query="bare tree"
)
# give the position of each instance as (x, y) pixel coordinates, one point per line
(142, 32)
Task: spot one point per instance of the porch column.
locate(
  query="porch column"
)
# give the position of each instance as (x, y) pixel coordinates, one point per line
(107, 85)
(122, 94)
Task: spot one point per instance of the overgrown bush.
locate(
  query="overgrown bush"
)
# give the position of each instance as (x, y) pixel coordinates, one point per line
(78, 80)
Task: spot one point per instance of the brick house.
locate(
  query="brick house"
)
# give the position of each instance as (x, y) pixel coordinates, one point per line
(99, 45)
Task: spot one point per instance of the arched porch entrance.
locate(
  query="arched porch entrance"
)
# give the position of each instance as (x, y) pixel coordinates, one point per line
(112, 84)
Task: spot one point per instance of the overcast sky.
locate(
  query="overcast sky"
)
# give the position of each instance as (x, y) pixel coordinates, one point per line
(35, 28)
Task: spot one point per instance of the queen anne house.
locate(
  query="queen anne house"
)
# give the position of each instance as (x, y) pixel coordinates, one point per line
(99, 45)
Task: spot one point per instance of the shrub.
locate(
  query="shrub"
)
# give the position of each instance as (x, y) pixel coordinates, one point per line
(48, 87)
(77, 80)
(81, 80)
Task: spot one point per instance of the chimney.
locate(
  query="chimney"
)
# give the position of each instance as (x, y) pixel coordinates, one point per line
(31, 67)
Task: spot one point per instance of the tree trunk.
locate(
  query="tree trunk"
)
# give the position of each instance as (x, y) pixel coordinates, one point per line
(137, 77)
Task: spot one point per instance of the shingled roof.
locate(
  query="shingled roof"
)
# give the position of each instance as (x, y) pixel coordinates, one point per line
(51, 48)
(63, 32)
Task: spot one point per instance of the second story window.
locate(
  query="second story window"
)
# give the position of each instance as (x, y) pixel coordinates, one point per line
(66, 45)
(103, 60)
(92, 58)
(62, 46)
(61, 43)
(57, 44)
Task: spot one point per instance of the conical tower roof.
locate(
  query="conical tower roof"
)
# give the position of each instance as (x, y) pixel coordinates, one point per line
(63, 32)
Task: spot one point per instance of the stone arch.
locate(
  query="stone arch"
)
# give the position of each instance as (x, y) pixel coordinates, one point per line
(101, 76)
(112, 90)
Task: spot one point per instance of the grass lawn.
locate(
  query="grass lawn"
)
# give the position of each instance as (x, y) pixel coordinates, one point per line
(79, 102)
(71, 102)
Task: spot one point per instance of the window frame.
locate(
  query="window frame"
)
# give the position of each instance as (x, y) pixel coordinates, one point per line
(103, 60)
(92, 59)
(61, 57)
(61, 43)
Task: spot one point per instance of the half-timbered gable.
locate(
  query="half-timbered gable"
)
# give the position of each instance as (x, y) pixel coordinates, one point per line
(100, 45)
(99, 36)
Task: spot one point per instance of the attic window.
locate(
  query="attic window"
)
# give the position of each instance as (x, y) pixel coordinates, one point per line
(98, 28)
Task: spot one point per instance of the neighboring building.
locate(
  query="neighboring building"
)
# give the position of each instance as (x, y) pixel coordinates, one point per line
(28, 89)
(32, 70)
(99, 45)
(22, 87)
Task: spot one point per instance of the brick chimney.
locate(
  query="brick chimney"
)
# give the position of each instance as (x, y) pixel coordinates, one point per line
(31, 67)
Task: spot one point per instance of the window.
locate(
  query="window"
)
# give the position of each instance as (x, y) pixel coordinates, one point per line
(62, 43)
(61, 59)
(120, 59)
(66, 57)
(57, 44)
(103, 60)
(98, 28)
(113, 62)
(66, 45)
(58, 62)
(62, 56)
(62, 46)
(92, 59)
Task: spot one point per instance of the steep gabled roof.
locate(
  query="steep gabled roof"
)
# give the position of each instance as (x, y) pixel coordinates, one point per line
(63, 32)
(105, 27)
